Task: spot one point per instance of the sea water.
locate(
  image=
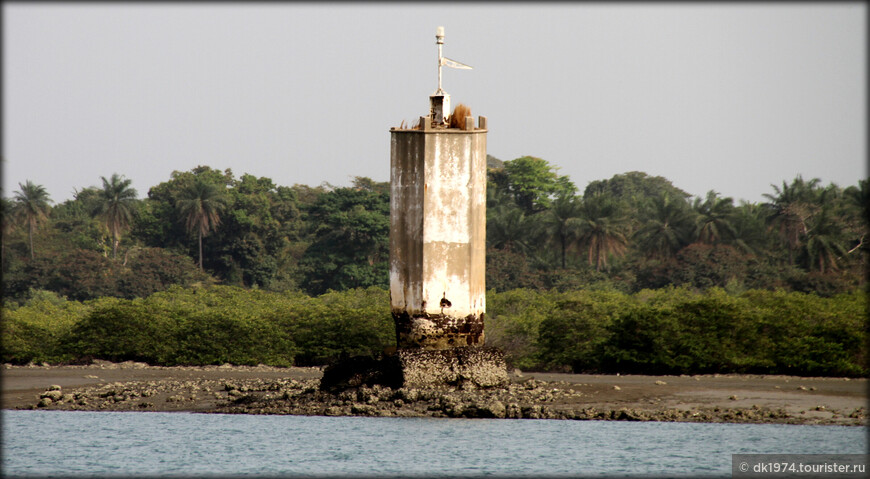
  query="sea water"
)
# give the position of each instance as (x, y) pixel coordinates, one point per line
(73, 443)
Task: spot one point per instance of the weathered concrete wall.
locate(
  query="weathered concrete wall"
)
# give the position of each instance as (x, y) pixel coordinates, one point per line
(406, 221)
(465, 367)
(438, 236)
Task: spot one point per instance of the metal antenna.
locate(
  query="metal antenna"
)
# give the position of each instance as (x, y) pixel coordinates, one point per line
(439, 39)
(442, 60)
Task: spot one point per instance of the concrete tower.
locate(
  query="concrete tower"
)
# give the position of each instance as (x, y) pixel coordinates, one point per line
(437, 257)
(438, 226)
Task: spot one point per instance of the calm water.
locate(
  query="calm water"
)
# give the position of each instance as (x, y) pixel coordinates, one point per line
(110, 443)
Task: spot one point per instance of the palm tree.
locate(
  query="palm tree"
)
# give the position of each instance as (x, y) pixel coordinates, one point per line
(713, 223)
(200, 205)
(825, 243)
(602, 229)
(8, 225)
(789, 209)
(31, 207)
(562, 222)
(115, 207)
(750, 232)
(508, 227)
(668, 228)
(857, 200)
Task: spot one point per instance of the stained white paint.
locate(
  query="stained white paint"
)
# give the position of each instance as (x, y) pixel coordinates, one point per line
(447, 195)
(453, 197)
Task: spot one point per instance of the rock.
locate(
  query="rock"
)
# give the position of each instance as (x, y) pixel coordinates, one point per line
(617, 388)
(532, 412)
(368, 395)
(246, 399)
(348, 395)
(54, 395)
(409, 395)
(513, 411)
(660, 383)
(451, 406)
(467, 386)
(488, 409)
(358, 371)
(732, 397)
(518, 373)
(363, 409)
(44, 402)
(333, 411)
(54, 387)
(132, 365)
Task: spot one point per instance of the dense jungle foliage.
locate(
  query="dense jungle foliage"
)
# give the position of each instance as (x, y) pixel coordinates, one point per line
(632, 274)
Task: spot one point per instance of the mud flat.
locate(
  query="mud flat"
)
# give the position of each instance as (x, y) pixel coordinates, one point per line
(105, 386)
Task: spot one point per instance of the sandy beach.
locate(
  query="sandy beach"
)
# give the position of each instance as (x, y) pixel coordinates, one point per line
(106, 386)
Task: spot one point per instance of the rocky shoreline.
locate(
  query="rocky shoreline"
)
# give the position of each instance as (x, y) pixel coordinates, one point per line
(295, 391)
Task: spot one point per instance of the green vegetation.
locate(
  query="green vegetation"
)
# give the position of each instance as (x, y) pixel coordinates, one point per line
(632, 275)
(631, 232)
(116, 207)
(666, 331)
(31, 208)
(200, 325)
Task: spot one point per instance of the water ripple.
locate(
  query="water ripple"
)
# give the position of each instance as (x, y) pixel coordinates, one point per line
(166, 444)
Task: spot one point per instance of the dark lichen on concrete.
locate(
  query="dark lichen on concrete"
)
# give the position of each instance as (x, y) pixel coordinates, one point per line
(462, 367)
(438, 331)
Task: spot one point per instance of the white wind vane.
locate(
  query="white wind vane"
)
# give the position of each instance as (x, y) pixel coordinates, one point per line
(444, 61)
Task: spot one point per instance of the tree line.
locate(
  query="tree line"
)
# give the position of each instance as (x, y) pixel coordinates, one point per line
(674, 330)
(628, 233)
(635, 231)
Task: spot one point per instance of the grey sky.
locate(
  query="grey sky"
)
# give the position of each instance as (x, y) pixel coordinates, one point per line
(729, 97)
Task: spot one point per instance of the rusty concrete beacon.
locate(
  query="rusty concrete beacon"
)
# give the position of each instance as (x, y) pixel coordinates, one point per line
(438, 234)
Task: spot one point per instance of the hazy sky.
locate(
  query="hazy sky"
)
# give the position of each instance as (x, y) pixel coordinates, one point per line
(728, 97)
